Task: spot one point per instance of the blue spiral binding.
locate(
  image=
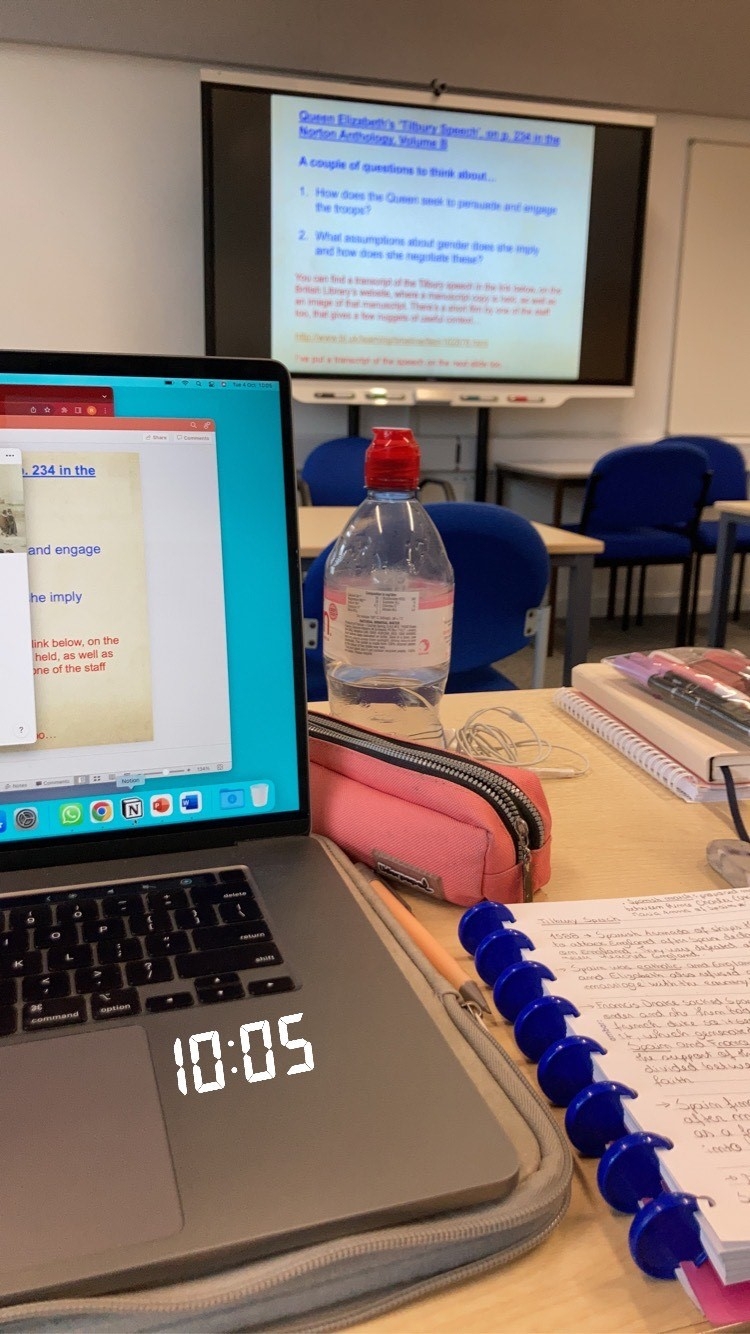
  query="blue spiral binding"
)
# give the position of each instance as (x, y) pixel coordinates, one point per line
(541, 1023)
(665, 1231)
(566, 1067)
(479, 921)
(517, 985)
(497, 951)
(629, 1170)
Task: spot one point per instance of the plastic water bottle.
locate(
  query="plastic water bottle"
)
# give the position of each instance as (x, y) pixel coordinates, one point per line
(388, 602)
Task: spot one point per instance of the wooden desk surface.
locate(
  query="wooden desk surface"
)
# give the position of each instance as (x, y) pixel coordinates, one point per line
(561, 470)
(615, 832)
(320, 524)
(739, 507)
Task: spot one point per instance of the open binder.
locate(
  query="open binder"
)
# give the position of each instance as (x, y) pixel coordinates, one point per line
(637, 1014)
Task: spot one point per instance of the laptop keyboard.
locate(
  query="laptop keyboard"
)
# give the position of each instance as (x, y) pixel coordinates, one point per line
(142, 947)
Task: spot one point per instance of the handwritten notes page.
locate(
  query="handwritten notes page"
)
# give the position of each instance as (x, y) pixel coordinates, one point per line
(663, 983)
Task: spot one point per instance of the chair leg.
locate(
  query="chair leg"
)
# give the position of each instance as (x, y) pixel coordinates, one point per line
(682, 618)
(552, 610)
(613, 571)
(628, 594)
(641, 596)
(693, 625)
(739, 582)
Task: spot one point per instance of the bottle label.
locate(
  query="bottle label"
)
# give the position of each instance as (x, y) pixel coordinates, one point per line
(370, 628)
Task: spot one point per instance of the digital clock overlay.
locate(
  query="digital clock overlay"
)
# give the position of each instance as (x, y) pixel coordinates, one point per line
(256, 1048)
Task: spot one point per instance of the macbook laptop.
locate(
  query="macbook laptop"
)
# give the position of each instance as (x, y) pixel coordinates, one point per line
(207, 1053)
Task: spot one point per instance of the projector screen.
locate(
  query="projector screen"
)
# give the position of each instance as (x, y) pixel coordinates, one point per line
(359, 240)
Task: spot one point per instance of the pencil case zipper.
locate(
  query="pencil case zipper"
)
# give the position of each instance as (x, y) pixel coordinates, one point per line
(518, 813)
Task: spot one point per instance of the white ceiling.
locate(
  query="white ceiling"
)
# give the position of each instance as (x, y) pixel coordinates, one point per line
(656, 55)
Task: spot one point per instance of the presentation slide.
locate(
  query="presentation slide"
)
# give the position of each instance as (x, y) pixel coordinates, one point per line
(89, 612)
(117, 527)
(427, 243)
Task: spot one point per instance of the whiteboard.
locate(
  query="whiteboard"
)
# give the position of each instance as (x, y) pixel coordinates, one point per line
(711, 368)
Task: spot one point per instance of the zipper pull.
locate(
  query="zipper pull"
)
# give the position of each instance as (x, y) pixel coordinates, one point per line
(524, 856)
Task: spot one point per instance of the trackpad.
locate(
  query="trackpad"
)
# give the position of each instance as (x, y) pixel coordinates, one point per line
(85, 1160)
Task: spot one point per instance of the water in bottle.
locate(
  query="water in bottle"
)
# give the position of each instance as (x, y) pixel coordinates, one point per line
(388, 602)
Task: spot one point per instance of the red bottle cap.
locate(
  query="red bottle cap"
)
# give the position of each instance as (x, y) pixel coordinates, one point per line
(392, 460)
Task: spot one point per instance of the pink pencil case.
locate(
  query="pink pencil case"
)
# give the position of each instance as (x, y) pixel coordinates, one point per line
(453, 827)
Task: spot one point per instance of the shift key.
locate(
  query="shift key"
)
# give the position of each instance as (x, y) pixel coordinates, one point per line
(229, 960)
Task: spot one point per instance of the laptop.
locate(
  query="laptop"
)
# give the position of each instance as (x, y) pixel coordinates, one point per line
(207, 1053)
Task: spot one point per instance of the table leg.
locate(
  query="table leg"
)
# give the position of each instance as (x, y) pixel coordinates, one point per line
(578, 620)
(557, 513)
(717, 623)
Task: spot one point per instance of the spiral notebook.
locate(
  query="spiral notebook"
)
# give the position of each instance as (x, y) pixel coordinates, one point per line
(670, 772)
(646, 1002)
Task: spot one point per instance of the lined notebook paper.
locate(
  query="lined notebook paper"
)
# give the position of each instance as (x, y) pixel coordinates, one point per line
(647, 756)
(663, 983)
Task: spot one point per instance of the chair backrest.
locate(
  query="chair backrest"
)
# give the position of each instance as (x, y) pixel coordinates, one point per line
(501, 569)
(727, 464)
(642, 486)
(335, 471)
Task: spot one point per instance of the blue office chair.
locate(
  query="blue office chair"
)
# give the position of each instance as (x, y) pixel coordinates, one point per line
(501, 569)
(644, 504)
(334, 474)
(728, 482)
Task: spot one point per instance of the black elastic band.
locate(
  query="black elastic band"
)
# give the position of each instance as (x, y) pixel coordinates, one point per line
(734, 805)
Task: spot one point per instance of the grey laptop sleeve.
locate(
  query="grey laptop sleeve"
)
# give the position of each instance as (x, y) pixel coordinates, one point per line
(333, 1285)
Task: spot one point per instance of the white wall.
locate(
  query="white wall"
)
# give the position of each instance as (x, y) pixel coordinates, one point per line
(101, 239)
(100, 212)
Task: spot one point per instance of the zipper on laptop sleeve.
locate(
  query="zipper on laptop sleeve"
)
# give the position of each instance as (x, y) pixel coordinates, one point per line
(517, 811)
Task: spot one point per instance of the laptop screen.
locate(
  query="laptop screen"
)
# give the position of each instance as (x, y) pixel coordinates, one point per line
(147, 598)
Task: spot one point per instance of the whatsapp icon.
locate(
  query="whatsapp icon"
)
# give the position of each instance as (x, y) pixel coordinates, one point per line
(71, 813)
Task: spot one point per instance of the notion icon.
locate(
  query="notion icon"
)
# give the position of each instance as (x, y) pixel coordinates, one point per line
(162, 804)
(131, 808)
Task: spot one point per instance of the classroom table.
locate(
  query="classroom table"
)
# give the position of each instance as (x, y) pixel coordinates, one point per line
(731, 513)
(320, 524)
(615, 831)
(557, 475)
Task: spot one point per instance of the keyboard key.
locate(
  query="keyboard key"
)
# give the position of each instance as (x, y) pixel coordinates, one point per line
(122, 905)
(119, 951)
(167, 898)
(232, 875)
(219, 893)
(242, 909)
(47, 937)
(203, 914)
(47, 986)
(13, 942)
(176, 1000)
(115, 1004)
(76, 956)
(168, 942)
(54, 1014)
(108, 978)
(217, 980)
(21, 965)
(148, 970)
(77, 910)
(112, 928)
(214, 995)
(269, 986)
(215, 937)
(26, 918)
(141, 924)
(8, 1020)
(8, 991)
(227, 960)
